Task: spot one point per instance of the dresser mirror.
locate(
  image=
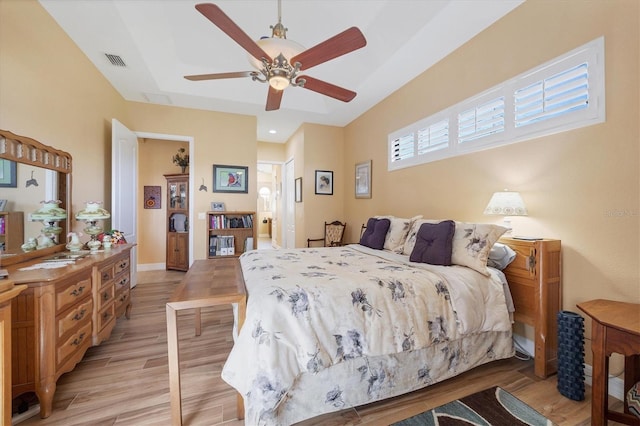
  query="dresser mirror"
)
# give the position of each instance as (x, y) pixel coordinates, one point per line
(42, 173)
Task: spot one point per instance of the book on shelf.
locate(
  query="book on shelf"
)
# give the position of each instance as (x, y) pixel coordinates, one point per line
(225, 221)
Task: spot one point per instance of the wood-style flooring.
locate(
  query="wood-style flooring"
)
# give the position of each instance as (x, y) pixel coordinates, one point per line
(125, 380)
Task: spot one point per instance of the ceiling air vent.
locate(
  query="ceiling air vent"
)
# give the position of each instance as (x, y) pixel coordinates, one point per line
(115, 60)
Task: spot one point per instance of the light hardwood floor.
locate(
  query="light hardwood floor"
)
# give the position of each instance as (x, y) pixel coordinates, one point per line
(125, 380)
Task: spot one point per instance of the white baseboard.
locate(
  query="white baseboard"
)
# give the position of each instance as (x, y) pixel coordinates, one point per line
(150, 266)
(616, 384)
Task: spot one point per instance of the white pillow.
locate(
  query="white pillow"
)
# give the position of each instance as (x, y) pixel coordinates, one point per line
(472, 243)
(397, 233)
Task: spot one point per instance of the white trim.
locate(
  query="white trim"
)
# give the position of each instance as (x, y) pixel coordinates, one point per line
(151, 266)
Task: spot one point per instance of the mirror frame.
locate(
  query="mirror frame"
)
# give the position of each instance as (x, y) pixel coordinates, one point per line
(25, 150)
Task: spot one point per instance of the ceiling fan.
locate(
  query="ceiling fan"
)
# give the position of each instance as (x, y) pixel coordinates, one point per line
(279, 61)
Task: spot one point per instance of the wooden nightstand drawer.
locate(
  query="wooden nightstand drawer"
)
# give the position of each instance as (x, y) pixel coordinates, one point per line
(75, 317)
(79, 287)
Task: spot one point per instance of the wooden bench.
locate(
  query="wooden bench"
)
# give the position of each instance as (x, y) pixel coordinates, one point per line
(208, 282)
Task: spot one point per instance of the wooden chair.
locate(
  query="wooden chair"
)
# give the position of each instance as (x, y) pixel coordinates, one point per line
(333, 234)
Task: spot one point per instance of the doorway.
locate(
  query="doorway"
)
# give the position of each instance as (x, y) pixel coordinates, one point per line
(268, 206)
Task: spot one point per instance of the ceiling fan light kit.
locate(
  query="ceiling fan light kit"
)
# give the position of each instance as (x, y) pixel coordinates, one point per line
(278, 60)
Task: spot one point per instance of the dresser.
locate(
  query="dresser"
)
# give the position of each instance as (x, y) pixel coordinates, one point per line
(61, 313)
(535, 281)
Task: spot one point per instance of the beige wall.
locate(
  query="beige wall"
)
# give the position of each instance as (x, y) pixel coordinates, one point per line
(580, 186)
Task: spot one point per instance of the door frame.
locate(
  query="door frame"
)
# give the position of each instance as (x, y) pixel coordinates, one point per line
(191, 141)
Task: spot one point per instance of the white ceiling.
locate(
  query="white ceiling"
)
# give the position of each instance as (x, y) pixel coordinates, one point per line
(160, 41)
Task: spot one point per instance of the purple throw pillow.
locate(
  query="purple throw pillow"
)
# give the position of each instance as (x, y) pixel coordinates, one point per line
(375, 233)
(434, 243)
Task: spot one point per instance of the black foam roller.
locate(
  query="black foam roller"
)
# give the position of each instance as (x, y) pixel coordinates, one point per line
(571, 355)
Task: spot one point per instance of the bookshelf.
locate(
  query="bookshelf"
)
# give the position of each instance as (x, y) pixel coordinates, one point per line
(11, 230)
(230, 233)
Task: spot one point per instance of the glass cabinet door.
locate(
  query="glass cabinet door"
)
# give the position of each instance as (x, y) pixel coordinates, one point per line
(182, 196)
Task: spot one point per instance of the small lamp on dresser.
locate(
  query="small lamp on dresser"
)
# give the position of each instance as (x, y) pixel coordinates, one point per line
(506, 203)
(91, 214)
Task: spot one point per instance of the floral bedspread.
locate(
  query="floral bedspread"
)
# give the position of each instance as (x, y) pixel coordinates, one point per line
(310, 309)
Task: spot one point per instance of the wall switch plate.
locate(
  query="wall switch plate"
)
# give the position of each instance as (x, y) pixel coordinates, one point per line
(201, 215)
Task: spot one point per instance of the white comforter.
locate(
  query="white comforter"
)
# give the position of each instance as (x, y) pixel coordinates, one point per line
(309, 309)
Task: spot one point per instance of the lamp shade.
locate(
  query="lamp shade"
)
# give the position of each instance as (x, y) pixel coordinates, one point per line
(506, 203)
(49, 212)
(92, 212)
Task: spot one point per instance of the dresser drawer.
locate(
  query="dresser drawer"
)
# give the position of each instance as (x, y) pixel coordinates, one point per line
(105, 296)
(76, 343)
(106, 316)
(77, 288)
(122, 265)
(74, 318)
(122, 283)
(122, 300)
(105, 274)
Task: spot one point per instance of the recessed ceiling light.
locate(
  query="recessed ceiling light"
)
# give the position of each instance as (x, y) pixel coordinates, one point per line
(272, 131)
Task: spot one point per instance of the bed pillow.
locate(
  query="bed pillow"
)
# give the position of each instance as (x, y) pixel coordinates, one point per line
(500, 256)
(398, 230)
(375, 233)
(472, 243)
(434, 243)
(410, 240)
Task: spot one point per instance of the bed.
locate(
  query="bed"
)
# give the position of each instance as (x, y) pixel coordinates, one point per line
(331, 328)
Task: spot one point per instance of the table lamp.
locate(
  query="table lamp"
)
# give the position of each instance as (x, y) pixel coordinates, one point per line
(506, 203)
(49, 214)
(91, 214)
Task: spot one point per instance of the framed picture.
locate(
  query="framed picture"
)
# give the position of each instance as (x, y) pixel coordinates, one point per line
(230, 179)
(324, 182)
(363, 180)
(8, 174)
(217, 206)
(299, 190)
(152, 197)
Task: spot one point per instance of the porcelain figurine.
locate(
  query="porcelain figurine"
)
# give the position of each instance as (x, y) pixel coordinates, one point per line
(74, 244)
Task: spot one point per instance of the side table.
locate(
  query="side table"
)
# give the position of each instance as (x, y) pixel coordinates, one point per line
(615, 327)
(208, 282)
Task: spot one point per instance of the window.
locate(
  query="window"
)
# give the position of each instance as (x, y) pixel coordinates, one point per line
(563, 94)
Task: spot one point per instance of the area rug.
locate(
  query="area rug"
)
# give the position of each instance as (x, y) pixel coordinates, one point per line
(490, 407)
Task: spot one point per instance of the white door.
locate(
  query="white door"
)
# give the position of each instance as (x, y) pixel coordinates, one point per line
(124, 184)
(289, 199)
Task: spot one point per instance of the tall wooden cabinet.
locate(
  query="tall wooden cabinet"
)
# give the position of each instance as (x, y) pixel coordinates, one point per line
(11, 230)
(535, 280)
(177, 221)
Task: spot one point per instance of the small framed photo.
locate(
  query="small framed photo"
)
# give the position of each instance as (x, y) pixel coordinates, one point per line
(230, 179)
(324, 182)
(363, 180)
(8, 176)
(298, 190)
(217, 206)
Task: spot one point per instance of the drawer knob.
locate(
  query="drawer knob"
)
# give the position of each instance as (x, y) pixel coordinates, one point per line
(80, 315)
(78, 340)
(105, 276)
(78, 291)
(105, 296)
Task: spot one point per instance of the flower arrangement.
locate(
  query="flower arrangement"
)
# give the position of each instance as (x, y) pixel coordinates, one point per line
(181, 159)
(115, 236)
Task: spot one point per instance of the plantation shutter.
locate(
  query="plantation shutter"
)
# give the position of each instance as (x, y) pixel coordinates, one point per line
(483, 120)
(403, 147)
(557, 95)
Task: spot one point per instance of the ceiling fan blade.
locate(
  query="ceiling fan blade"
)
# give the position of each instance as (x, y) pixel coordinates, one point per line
(222, 21)
(273, 99)
(218, 76)
(327, 89)
(338, 45)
